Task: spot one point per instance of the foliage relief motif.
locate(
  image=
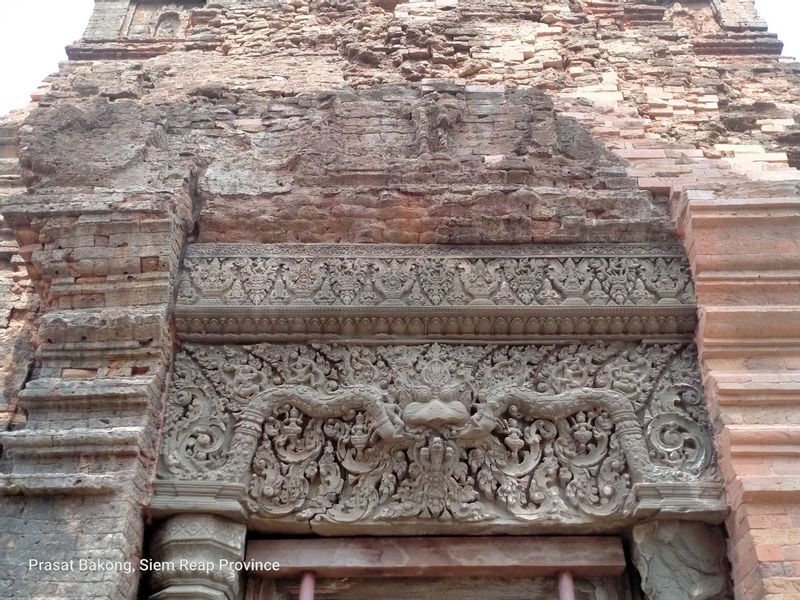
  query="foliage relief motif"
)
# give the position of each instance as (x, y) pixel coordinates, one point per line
(555, 432)
(436, 281)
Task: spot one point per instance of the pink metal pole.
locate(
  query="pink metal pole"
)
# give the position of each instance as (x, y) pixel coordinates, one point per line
(566, 587)
(307, 582)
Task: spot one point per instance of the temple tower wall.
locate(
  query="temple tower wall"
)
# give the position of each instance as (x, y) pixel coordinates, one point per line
(187, 146)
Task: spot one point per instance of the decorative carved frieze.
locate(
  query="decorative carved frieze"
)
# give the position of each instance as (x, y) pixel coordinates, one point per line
(244, 291)
(430, 435)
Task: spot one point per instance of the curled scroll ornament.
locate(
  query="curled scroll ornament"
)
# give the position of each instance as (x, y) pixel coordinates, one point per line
(446, 432)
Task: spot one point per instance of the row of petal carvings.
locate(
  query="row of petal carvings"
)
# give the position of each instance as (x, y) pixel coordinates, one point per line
(558, 433)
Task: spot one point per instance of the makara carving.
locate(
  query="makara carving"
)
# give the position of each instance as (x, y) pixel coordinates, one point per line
(591, 290)
(560, 433)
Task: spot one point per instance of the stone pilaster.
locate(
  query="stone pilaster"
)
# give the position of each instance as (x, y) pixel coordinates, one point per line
(744, 247)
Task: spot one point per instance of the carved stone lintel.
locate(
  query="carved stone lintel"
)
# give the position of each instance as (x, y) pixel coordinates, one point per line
(193, 550)
(679, 560)
(245, 292)
(437, 435)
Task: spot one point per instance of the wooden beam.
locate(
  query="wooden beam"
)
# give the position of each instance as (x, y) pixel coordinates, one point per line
(439, 556)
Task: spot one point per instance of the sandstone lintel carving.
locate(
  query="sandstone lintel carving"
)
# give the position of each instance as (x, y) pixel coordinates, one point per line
(554, 435)
(246, 292)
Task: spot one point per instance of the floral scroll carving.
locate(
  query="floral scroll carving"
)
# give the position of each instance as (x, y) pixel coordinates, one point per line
(493, 277)
(559, 433)
(244, 293)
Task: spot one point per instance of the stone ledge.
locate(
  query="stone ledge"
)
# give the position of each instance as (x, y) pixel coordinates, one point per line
(761, 440)
(752, 326)
(204, 497)
(68, 484)
(755, 388)
(743, 347)
(58, 355)
(118, 50)
(736, 211)
(108, 324)
(86, 205)
(767, 488)
(739, 43)
(493, 323)
(788, 277)
(140, 289)
(698, 501)
(108, 393)
(116, 441)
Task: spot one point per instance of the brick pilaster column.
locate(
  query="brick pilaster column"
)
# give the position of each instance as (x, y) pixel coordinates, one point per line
(744, 247)
(104, 267)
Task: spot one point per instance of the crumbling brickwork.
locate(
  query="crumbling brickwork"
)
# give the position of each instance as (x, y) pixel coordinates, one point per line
(384, 121)
(19, 301)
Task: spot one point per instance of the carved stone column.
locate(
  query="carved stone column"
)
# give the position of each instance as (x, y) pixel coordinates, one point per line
(679, 560)
(195, 553)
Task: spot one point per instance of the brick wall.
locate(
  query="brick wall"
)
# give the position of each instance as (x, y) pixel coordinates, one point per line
(745, 251)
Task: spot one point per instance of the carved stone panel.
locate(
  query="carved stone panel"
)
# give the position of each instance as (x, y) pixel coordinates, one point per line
(435, 437)
(149, 19)
(246, 292)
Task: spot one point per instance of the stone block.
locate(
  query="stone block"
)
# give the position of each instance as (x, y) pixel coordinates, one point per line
(678, 560)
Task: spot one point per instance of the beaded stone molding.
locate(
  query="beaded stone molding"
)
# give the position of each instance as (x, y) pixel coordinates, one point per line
(291, 292)
(439, 437)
